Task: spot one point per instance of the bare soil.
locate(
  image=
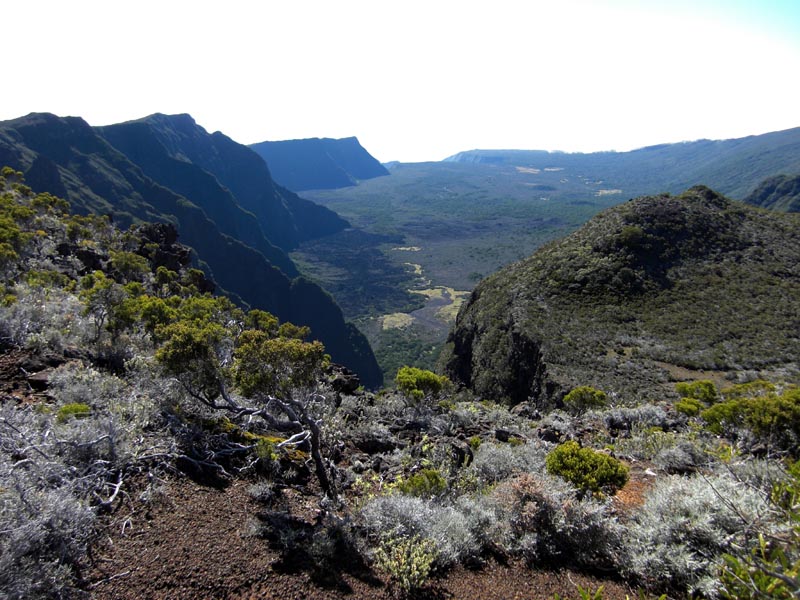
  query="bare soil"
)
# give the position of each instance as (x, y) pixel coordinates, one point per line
(195, 541)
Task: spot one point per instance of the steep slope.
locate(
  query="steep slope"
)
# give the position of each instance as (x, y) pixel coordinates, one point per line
(730, 166)
(156, 153)
(285, 218)
(781, 192)
(68, 157)
(644, 289)
(319, 163)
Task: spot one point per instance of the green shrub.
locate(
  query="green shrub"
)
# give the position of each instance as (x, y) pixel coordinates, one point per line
(772, 418)
(446, 405)
(417, 384)
(583, 398)
(407, 561)
(587, 469)
(426, 483)
(474, 442)
(751, 389)
(130, 265)
(704, 390)
(265, 450)
(691, 407)
(75, 410)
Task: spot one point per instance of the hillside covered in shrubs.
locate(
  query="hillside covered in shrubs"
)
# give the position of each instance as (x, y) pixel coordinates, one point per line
(124, 378)
(780, 192)
(651, 290)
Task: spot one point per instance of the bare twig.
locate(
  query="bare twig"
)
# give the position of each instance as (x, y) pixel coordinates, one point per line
(106, 504)
(107, 579)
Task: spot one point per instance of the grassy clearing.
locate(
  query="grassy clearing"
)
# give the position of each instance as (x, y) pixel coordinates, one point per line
(396, 321)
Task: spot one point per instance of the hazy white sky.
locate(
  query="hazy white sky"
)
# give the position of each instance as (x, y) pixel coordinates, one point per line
(414, 79)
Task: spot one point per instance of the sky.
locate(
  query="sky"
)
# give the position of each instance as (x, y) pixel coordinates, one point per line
(414, 80)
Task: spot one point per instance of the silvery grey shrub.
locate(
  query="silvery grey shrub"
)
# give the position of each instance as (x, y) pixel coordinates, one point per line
(678, 535)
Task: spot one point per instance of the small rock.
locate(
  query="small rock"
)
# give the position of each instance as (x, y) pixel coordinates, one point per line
(343, 380)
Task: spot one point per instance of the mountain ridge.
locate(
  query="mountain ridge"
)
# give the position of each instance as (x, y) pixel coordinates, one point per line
(286, 218)
(319, 163)
(779, 192)
(668, 167)
(166, 163)
(67, 155)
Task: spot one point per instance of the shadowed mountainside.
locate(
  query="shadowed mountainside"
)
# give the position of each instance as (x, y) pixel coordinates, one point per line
(285, 218)
(66, 156)
(155, 145)
(694, 281)
(319, 163)
(781, 192)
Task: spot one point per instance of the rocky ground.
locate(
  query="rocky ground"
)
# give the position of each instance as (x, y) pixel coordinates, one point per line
(178, 538)
(194, 541)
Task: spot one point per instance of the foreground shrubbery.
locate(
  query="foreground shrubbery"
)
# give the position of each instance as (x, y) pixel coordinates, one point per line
(679, 536)
(772, 568)
(154, 354)
(153, 375)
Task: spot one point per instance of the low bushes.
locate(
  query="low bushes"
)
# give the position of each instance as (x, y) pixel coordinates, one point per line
(587, 469)
(407, 561)
(583, 398)
(426, 483)
(418, 384)
(772, 418)
(677, 538)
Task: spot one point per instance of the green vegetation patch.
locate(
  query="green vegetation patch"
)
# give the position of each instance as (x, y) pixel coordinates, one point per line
(424, 484)
(694, 281)
(583, 398)
(418, 384)
(587, 469)
(75, 410)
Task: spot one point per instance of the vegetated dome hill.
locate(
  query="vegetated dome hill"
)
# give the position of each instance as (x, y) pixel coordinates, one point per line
(642, 292)
(319, 163)
(781, 192)
(186, 176)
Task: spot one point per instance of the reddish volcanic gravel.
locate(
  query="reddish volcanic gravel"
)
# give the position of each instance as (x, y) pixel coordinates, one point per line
(197, 542)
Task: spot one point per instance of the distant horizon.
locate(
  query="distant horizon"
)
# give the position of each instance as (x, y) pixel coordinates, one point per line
(550, 151)
(466, 150)
(416, 81)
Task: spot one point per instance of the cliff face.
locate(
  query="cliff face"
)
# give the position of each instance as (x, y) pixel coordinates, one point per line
(319, 163)
(694, 281)
(68, 157)
(155, 146)
(284, 218)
